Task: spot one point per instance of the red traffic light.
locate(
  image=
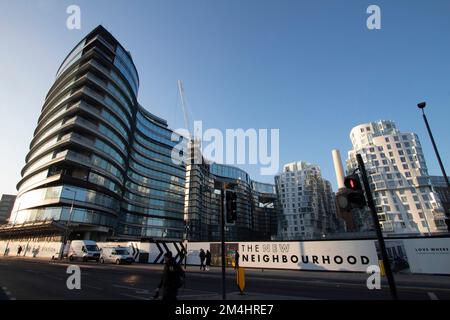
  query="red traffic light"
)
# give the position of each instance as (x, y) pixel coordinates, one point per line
(352, 182)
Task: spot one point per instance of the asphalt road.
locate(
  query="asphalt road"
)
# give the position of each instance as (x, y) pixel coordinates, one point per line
(22, 278)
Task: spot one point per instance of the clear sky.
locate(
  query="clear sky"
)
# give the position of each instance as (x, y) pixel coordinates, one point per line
(310, 68)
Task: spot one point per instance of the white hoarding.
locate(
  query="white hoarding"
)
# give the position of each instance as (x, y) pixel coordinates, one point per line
(36, 249)
(311, 255)
(430, 256)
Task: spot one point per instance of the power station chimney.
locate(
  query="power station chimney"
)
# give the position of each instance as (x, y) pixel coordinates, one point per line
(338, 168)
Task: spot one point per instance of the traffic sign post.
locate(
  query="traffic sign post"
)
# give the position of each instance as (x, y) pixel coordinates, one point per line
(376, 222)
(240, 279)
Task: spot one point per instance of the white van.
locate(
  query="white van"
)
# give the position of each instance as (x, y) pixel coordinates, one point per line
(115, 255)
(84, 250)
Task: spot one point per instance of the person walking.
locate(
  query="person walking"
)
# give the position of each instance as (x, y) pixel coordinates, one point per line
(202, 256)
(208, 260)
(172, 279)
(236, 260)
(19, 250)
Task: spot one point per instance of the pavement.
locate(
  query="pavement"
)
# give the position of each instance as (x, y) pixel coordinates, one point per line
(38, 279)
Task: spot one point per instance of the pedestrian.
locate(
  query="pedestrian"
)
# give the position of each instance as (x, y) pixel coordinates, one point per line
(208, 260)
(172, 279)
(202, 256)
(19, 250)
(236, 260)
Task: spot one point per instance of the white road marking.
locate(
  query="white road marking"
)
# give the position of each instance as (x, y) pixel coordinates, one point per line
(134, 297)
(92, 287)
(127, 287)
(142, 292)
(433, 296)
(8, 293)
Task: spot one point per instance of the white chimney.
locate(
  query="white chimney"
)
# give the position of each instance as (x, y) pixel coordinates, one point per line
(338, 168)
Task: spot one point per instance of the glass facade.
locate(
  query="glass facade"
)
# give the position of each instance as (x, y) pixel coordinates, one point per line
(256, 204)
(98, 157)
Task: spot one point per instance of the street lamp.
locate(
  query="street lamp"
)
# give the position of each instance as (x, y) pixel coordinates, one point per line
(14, 223)
(422, 106)
(66, 233)
(186, 232)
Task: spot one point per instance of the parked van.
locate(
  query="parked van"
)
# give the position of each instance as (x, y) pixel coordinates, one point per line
(117, 255)
(84, 250)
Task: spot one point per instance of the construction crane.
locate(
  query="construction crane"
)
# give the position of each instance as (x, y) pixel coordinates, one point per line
(183, 106)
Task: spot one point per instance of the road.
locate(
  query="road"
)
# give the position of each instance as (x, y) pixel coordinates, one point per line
(25, 278)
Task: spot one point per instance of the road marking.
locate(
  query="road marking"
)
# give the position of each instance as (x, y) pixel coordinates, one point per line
(433, 296)
(142, 292)
(92, 287)
(198, 295)
(8, 293)
(134, 297)
(129, 288)
(53, 277)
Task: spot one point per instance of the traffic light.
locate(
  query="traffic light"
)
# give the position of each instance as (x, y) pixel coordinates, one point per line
(231, 206)
(352, 197)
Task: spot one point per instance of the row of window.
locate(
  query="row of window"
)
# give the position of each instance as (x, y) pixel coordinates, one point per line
(166, 157)
(36, 197)
(62, 214)
(150, 221)
(153, 211)
(106, 148)
(152, 183)
(144, 191)
(106, 165)
(152, 232)
(146, 142)
(154, 193)
(125, 65)
(71, 58)
(151, 173)
(158, 165)
(104, 182)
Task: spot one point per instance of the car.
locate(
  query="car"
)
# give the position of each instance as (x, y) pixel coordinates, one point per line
(117, 255)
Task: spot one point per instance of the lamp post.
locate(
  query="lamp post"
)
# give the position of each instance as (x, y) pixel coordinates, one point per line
(66, 233)
(422, 106)
(14, 223)
(222, 236)
(186, 232)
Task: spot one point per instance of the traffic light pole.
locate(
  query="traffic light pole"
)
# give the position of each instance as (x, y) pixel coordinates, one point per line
(376, 222)
(222, 227)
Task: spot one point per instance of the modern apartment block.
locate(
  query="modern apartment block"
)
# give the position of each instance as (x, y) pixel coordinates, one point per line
(98, 159)
(256, 204)
(6, 205)
(398, 175)
(307, 202)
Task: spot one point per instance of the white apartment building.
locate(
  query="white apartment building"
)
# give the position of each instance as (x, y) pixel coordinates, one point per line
(405, 201)
(308, 209)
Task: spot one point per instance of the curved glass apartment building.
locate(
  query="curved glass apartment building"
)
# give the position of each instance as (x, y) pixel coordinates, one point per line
(98, 159)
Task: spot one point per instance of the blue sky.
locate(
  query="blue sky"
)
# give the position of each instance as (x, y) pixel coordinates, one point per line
(310, 68)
